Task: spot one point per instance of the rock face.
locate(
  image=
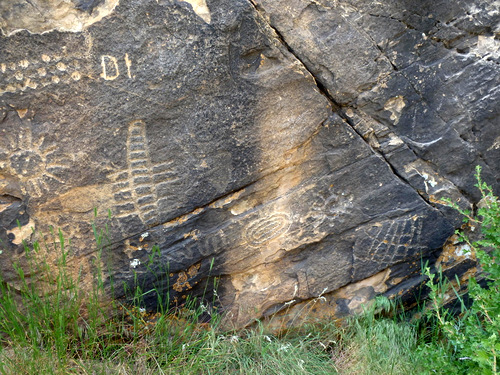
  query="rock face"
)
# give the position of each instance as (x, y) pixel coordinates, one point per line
(289, 149)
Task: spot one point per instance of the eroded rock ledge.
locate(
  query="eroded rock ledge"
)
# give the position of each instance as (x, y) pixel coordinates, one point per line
(290, 149)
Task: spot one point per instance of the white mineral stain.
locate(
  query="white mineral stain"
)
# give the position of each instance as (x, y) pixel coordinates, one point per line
(41, 16)
(201, 9)
(395, 141)
(495, 145)
(395, 105)
(487, 46)
(463, 250)
(22, 233)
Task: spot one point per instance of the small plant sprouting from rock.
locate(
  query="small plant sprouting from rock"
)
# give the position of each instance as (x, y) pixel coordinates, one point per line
(474, 336)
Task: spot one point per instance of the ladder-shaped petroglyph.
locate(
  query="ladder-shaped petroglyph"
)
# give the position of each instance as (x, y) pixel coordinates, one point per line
(390, 241)
(143, 185)
(134, 188)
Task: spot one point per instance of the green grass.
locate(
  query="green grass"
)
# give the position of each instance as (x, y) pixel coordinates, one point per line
(49, 325)
(64, 330)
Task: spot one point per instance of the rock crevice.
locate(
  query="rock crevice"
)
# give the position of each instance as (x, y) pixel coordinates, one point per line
(291, 149)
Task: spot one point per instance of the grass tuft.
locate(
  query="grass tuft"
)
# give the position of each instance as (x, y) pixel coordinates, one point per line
(50, 325)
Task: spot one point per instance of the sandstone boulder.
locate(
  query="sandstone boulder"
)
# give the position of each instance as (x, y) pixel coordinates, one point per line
(288, 149)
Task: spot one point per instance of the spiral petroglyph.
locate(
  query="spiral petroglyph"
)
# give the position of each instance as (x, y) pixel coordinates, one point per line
(267, 229)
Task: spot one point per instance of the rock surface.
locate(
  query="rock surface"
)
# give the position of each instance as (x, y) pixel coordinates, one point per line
(289, 149)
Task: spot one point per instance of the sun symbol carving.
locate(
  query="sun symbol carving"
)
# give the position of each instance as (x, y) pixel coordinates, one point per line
(38, 164)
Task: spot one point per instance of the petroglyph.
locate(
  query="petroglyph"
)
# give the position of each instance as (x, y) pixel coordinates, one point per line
(322, 208)
(38, 73)
(390, 241)
(128, 63)
(328, 207)
(203, 245)
(266, 229)
(109, 65)
(213, 243)
(140, 189)
(134, 190)
(49, 70)
(36, 163)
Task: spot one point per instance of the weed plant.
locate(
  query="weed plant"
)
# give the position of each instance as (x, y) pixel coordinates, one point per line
(67, 329)
(470, 342)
